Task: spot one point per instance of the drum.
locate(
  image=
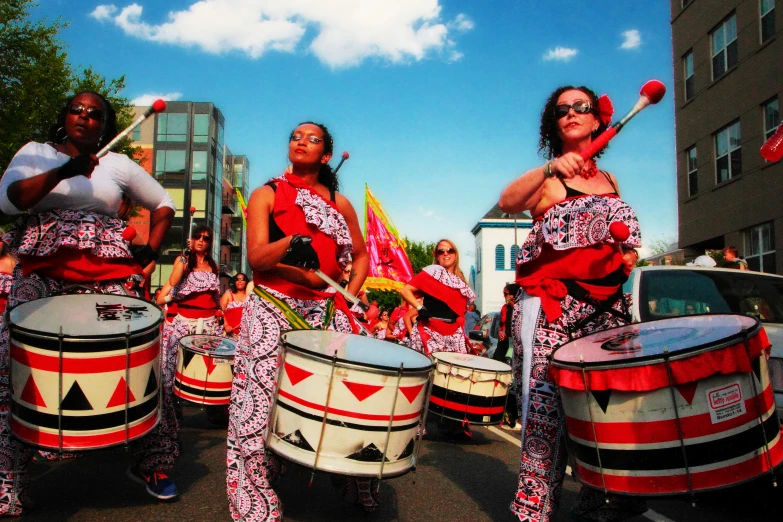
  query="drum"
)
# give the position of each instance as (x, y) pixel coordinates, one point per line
(469, 387)
(348, 404)
(670, 407)
(84, 370)
(205, 369)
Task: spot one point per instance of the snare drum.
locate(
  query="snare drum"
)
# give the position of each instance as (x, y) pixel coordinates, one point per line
(676, 406)
(84, 370)
(469, 387)
(205, 369)
(348, 404)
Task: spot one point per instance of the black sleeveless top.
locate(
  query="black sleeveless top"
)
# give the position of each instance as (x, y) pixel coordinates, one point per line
(572, 193)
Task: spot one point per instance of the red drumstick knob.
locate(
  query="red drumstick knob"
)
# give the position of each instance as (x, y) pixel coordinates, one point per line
(653, 90)
(129, 234)
(619, 231)
(345, 155)
(159, 105)
(192, 210)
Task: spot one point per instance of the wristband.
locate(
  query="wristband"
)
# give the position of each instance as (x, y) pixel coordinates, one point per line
(548, 170)
(168, 299)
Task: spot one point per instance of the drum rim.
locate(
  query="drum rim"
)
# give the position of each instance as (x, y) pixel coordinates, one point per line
(343, 362)
(13, 327)
(485, 370)
(180, 345)
(685, 353)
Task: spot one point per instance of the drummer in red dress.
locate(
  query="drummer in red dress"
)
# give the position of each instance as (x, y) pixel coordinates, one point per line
(71, 240)
(571, 272)
(233, 304)
(446, 294)
(296, 222)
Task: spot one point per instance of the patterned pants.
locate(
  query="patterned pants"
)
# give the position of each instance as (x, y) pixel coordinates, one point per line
(439, 343)
(157, 450)
(251, 468)
(543, 463)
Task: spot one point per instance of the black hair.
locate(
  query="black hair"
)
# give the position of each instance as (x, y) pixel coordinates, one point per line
(208, 257)
(512, 288)
(326, 175)
(56, 135)
(234, 280)
(550, 145)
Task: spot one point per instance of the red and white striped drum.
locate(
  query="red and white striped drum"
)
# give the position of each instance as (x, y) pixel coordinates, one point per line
(84, 370)
(676, 406)
(468, 387)
(205, 369)
(348, 404)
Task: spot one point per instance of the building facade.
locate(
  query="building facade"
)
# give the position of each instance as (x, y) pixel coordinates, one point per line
(184, 149)
(497, 238)
(727, 89)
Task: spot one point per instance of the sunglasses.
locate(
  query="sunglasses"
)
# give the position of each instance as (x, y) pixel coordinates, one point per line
(238, 279)
(579, 106)
(441, 251)
(312, 139)
(203, 237)
(91, 112)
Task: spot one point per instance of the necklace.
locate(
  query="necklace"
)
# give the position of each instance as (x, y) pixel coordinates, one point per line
(589, 169)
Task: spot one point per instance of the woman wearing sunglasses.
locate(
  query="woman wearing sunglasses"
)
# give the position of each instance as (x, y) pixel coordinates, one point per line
(446, 296)
(570, 270)
(70, 240)
(296, 222)
(233, 304)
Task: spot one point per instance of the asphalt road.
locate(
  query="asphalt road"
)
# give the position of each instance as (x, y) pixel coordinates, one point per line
(472, 480)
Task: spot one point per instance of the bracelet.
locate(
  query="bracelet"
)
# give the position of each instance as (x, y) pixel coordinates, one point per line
(548, 170)
(168, 299)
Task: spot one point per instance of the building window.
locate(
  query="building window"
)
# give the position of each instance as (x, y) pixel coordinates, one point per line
(724, 47)
(692, 167)
(170, 164)
(512, 258)
(172, 127)
(500, 257)
(201, 128)
(760, 248)
(137, 133)
(728, 154)
(478, 259)
(771, 117)
(767, 20)
(199, 166)
(687, 62)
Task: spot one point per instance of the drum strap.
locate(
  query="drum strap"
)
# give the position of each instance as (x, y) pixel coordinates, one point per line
(293, 317)
(601, 306)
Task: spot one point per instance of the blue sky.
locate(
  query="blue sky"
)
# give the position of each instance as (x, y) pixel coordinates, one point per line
(437, 101)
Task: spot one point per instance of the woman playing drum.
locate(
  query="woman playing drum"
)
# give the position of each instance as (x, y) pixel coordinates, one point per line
(571, 271)
(71, 237)
(446, 296)
(233, 303)
(296, 222)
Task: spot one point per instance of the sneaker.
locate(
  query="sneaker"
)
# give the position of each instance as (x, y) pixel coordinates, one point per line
(158, 484)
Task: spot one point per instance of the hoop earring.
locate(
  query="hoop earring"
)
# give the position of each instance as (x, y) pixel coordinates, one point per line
(57, 136)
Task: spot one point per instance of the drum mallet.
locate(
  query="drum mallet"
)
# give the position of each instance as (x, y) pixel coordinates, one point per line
(345, 293)
(651, 93)
(345, 157)
(157, 106)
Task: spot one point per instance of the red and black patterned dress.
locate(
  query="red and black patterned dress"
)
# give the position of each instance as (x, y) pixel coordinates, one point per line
(251, 468)
(571, 272)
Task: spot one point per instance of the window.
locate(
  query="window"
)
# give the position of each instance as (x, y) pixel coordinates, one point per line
(201, 128)
(728, 154)
(199, 166)
(500, 257)
(512, 258)
(724, 47)
(771, 117)
(170, 164)
(172, 127)
(478, 259)
(137, 133)
(760, 248)
(767, 19)
(687, 62)
(692, 167)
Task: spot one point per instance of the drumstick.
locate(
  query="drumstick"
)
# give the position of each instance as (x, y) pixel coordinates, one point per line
(186, 250)
(345, 157)
(345, 293)
(651, 93)
(157, 106)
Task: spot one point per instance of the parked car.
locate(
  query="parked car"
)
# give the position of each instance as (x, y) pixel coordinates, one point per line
(486, 333)
(670, 291)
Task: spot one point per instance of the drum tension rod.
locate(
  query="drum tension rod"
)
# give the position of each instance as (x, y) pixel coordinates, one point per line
(391, 421)
(592, 424)
(323, 421)
(679, 425)
(61, 339)
(746, 342)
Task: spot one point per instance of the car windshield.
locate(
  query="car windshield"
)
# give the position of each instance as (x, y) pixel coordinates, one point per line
(671, 293)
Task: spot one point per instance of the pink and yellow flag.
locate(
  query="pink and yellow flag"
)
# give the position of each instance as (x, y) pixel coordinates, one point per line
(390, 267)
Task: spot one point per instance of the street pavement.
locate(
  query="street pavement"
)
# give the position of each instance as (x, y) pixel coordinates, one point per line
(455, 480)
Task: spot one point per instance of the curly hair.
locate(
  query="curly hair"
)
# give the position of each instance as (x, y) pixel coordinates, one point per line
(192, 261)
(109, 122)
(326, 175)
(550, 145)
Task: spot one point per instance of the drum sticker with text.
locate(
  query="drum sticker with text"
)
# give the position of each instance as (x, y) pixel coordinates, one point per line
(118, 312)
(725, 403)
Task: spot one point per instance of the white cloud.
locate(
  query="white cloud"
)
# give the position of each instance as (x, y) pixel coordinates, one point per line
(426, 212)
(562, 54)
(145, 100)
(103, 12)
(340, 33)
(632, 39)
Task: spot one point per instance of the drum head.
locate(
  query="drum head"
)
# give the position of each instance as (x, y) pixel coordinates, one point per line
(85, 315)
(356, 349)
(472, 361)
(643, 342)
(212, 345)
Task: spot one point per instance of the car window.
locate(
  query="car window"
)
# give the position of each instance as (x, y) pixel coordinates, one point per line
(628, 285)
(675, 293)
(495, 325)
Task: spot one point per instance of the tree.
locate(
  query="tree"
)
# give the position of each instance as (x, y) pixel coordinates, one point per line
(419, 254)
(660, 245)
(386, 299)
